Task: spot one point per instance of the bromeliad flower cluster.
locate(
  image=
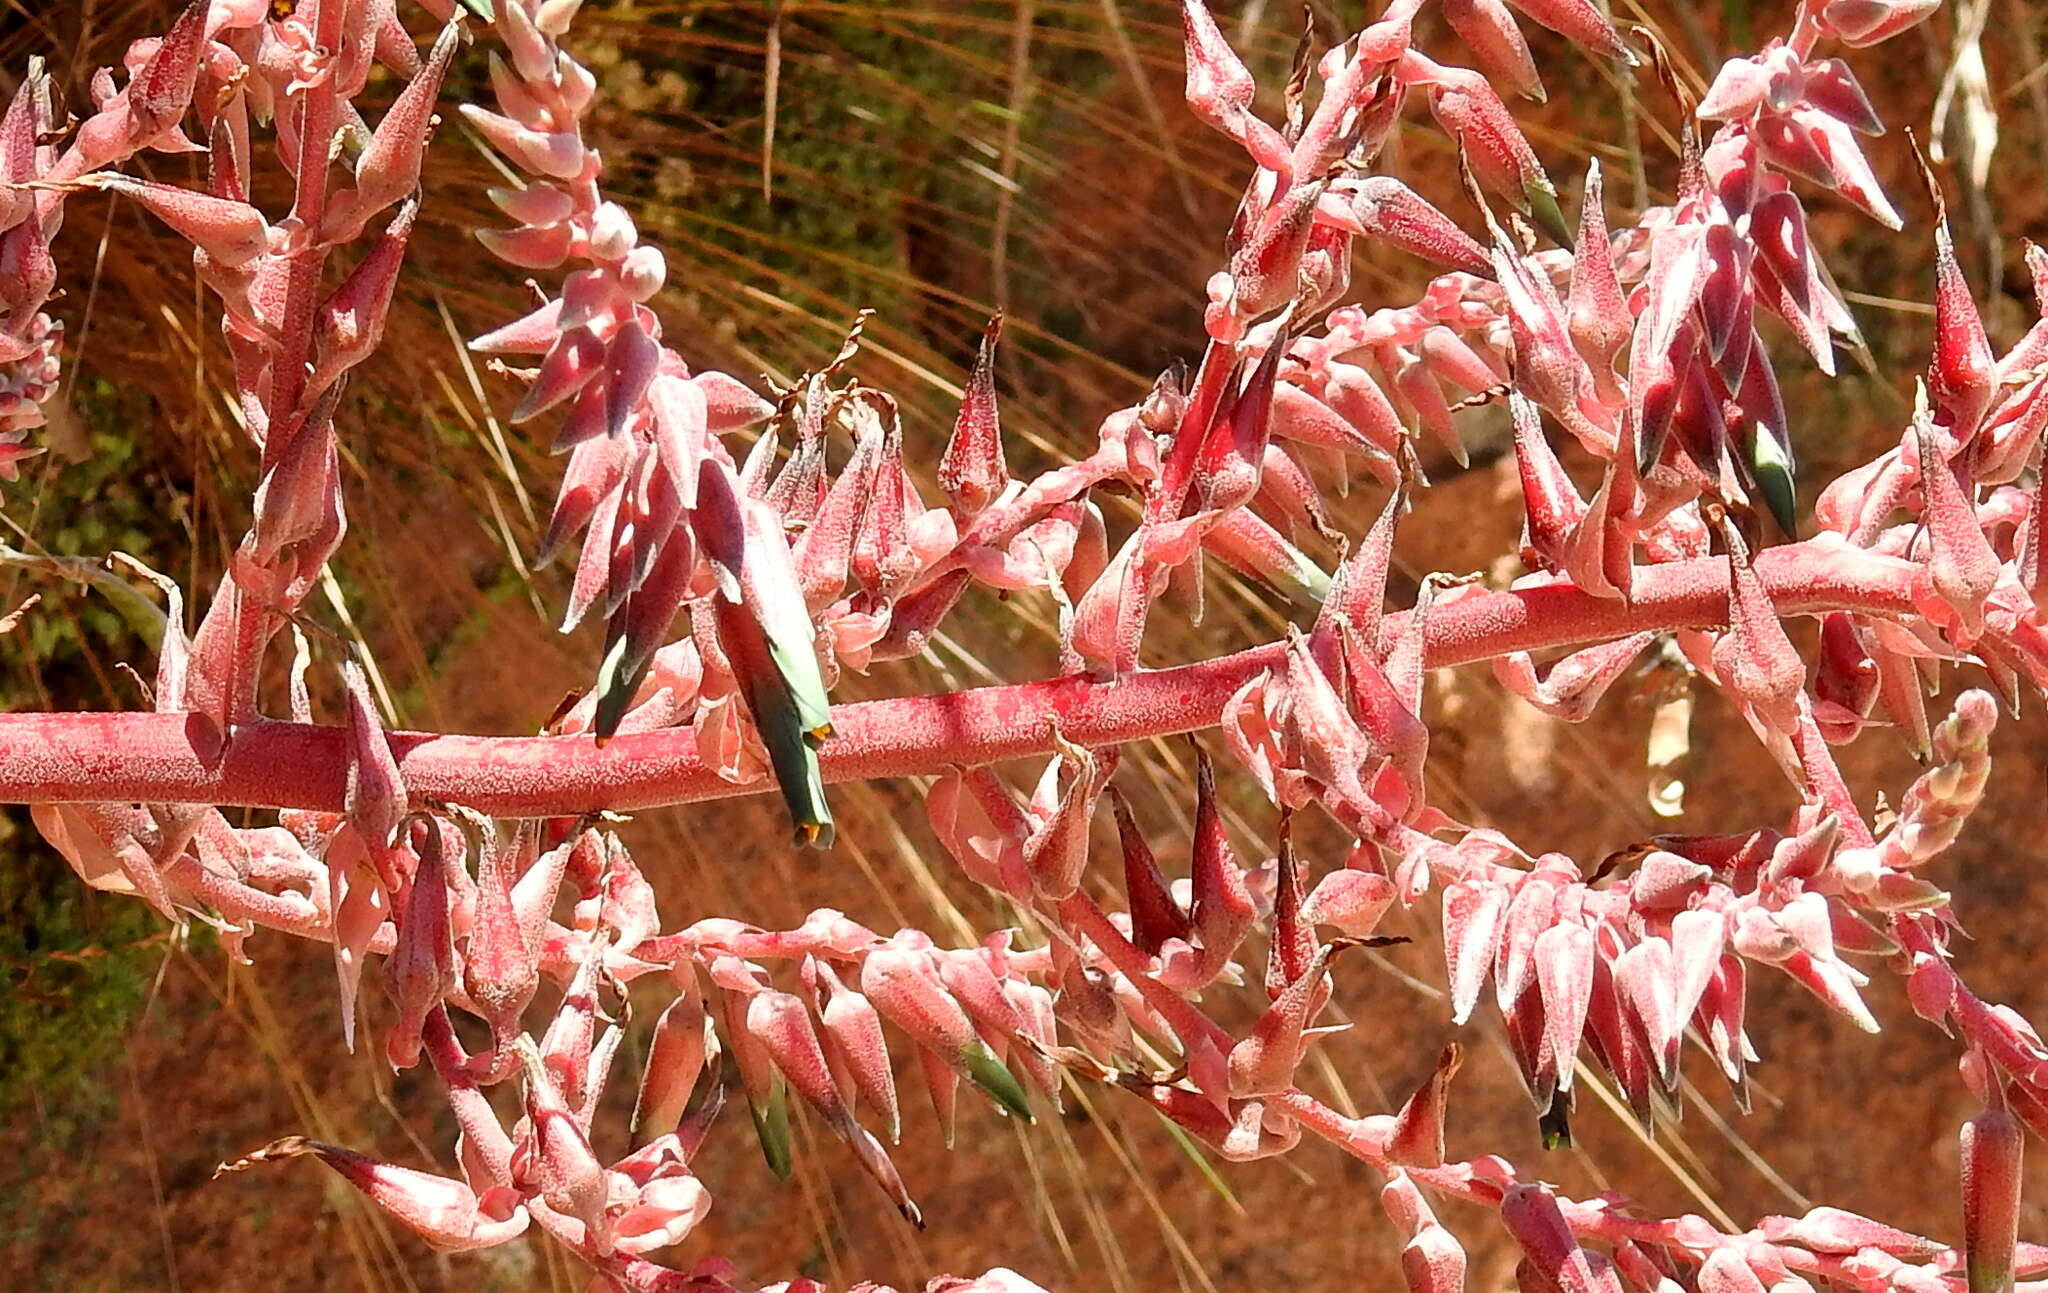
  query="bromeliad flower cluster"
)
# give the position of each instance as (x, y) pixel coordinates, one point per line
(816, 548)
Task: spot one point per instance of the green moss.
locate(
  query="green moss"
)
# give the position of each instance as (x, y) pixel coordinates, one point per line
(77, 967)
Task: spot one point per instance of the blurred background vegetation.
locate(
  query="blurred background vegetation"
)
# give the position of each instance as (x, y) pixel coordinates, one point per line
(931, 161)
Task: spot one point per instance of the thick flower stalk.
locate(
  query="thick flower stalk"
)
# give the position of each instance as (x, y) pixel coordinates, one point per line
(738, 581)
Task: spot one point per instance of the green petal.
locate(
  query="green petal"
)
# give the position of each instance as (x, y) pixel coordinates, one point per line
(1543, 207)
(1772, 467)
(617, 679)
(996, 1081)
(771, 1126)
(1556, 1122)
(793, 754)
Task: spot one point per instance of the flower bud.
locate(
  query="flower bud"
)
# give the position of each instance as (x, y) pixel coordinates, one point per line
(442, 1212)
(612, 233)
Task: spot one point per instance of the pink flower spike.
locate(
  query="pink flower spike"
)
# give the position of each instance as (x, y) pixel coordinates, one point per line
(758, 1076)
(662, 1213)
(853, 1040)
(1993, 1148)
(1757, 662)
(1383, 208)
(442, 1212)
(1565, 956)
(729, 404)
(1531, 911)
(1531, 1215)
(1351, 901)
(1552, 509)
(1961, 376)
(968, 976)
(1962, 568)
(375, 795)
(1497, 45)
(1289, 497)
(1493, 144)
(360, 906)
(388, 169)
(484, 1149)
(1831, 1230)
(1233, 453)
(548, 154)
(1645, 977)
(533, 334)
(1418, 1136)
(972, 471)
(779, 1022)
(1667, 335)
(420, 971)
(973, 815)
(1219, 88)
(1899, 690)
(1451, 359)
(905, 987)
(18, 147)
(1726, 297)
(1582, 22)
(632, 360)
(681, 420)
(1860, 23)
(1719, 1019)
(942, 1086)
(677, 1053)
(1293, 944)
(1387, 703)
(1223, 913)
(1570, 688)
(1433, 1261)
(1548, 367)
(561, 1166)
(1473, 910)
(543, 247)
(1265, 1062)
(1419, 389)
(1765, 457)
(1056, 853)
(596, 469)
(1788, 276)
(1155, 915)
(1738, 90)
(1848, 169)
(565, 1048)
(1596, 308)
(350, 324)
(1265, 269)
(232, 233)
(824, 553)
(500, 966)
(575, 359)
(161, 91)
(1726, 1271)
(1353, 414)
(1358, 593)
(1831, 86)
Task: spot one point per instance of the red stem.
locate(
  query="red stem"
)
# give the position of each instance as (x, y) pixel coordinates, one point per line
(165, 758)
